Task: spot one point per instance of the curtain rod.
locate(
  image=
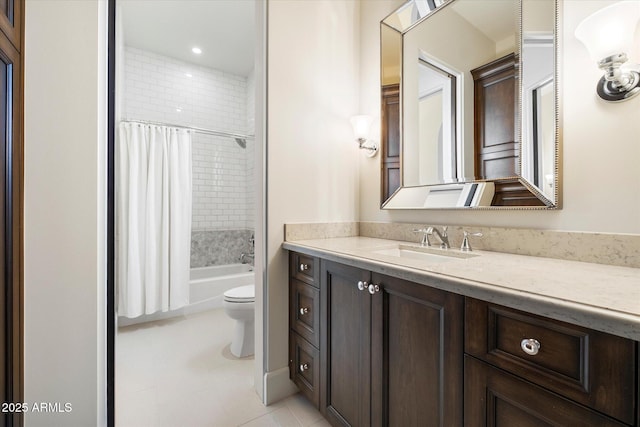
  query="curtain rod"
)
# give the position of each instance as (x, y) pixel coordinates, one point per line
(193, 128)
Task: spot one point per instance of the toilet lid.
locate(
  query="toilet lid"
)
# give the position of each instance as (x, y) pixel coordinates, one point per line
(241, 294)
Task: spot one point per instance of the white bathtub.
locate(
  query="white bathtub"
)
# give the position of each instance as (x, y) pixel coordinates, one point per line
(206, 288)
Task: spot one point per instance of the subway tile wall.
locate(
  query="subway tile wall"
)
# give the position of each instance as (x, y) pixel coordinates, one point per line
(164, 89)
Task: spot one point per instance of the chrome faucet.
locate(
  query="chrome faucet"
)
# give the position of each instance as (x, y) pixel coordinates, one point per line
(443, 236)
(252, 242)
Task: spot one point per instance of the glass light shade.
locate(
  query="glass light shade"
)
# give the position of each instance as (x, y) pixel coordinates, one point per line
(361, 126)
(610, 30)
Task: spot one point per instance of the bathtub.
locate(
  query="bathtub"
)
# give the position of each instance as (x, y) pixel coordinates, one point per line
(206, 288)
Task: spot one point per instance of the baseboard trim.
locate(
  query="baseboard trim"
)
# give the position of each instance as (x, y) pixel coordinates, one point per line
(277, 386)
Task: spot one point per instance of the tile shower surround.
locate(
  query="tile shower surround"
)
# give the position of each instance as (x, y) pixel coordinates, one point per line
(219, 247)
(155, 87)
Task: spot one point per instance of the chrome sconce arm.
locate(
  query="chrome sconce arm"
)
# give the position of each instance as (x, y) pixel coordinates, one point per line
(361, 125)
(372, 148)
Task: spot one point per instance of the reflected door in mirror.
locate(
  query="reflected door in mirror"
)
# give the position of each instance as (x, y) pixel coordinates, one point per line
(497, 147)
(390, 140)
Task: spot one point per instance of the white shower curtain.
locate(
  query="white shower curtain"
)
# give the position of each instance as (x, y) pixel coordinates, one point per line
(153, 218)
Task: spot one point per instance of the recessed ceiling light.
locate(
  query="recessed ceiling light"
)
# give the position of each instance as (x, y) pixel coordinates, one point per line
(188, 75)
(196, 50)
(178, 110)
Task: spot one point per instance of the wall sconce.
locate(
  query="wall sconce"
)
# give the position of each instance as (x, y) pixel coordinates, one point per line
(361, 126)
(608, 36)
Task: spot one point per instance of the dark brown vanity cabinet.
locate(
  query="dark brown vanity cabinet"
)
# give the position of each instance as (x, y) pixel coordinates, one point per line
(304, 325)
(373, 350)
(527, 370)
(391, 351)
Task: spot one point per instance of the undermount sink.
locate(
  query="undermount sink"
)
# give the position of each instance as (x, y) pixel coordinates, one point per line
(424, 254)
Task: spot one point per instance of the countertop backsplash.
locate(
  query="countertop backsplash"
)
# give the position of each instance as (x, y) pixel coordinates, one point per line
(600, 248)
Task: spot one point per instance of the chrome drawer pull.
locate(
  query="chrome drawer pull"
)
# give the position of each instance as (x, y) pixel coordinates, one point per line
(530, 346)
(362, 285)
(304, 310)
(304, 267)
(304, 367)
(374, 288)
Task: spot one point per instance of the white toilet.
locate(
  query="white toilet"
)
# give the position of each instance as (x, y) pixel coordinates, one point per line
(239, 305)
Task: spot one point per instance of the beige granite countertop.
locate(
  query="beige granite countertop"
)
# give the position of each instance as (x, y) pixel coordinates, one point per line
(602, 297)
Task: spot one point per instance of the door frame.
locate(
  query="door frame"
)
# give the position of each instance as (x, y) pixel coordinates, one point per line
(110, 238)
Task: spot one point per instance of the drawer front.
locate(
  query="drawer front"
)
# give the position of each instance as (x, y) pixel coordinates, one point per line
(590, 367)
(304, 268)
(304, 368)
(495, 398)
(304, 315)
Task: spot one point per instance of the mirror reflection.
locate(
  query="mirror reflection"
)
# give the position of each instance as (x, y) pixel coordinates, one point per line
(538, 96)
(435, 151)
(477, 100)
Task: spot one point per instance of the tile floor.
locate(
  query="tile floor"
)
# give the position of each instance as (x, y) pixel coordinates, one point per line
(180, 373)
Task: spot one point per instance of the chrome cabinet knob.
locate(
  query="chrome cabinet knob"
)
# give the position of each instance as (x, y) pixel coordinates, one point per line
(304, 367)
(362, 285)
(304, 310)
(530, 346)
(304, 267)
(374, 288)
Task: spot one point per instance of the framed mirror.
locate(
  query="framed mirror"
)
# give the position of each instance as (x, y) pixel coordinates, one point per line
(469, 105)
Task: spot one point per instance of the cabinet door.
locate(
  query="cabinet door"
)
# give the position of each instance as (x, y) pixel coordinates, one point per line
(417, 355)
(493, 397)
(345, 345)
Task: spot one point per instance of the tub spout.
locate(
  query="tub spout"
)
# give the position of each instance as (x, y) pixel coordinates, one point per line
(246, 258)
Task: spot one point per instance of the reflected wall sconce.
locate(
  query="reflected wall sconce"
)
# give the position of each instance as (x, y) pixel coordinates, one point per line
(608, 36)
(361, 125)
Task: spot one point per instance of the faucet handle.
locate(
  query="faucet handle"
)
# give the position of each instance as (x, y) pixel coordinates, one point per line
(466, 246)
(425, 236)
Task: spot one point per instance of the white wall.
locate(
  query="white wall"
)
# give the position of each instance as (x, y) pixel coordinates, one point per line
(64, 287)
(601, 143)
(312, 155)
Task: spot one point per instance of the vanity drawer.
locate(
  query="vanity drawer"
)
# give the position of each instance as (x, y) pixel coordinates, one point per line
(305, 268)
(587, 366)
(304, 311)
(495, 398)
(304, 367)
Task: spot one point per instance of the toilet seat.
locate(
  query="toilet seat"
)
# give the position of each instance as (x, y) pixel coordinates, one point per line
(241, 294)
